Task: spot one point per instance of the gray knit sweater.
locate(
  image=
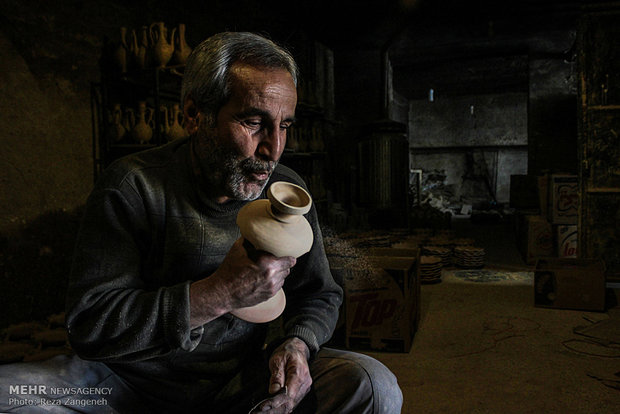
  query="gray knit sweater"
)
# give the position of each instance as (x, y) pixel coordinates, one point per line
(146, 234)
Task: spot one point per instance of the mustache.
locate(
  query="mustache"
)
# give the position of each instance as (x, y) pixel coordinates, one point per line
(250, 165)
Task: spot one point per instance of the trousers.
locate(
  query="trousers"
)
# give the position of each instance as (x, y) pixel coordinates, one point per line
(343, 382)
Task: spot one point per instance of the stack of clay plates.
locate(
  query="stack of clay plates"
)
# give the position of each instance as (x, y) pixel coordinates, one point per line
(469, 257)
(442, 251)
(430, 269)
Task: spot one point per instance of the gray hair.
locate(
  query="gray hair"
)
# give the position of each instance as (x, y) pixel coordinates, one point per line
(206, 76)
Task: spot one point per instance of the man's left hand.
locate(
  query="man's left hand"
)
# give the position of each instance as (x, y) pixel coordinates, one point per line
(290, 377)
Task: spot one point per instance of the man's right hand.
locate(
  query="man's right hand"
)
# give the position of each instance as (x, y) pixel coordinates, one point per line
(251, 276)
(239, 282)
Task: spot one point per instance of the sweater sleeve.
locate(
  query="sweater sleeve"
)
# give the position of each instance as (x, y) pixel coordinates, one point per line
(313, 297)
(113, 313)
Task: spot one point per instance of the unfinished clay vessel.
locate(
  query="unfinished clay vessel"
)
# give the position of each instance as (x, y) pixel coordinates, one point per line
(163, 46)
(181, 48)
(277, 226)
(176, 130)
(116, 131)
(142, 130)
(139, 49)
(121, 54)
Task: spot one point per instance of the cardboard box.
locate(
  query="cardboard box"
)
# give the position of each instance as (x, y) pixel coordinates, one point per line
(382, 304)
(563, 199)
(570, 284)
(411, 283)
(534, 238)
(566, 240)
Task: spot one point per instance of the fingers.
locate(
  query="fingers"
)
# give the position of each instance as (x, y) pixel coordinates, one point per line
(264, 259)
(249, 276)
(290, 378)
(298, 380)
(277, 380)
(273, 271)
(276, 404)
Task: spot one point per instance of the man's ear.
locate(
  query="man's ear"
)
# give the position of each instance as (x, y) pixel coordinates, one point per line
(190, 115)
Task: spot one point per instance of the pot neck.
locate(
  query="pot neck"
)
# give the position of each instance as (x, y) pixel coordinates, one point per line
(282, 217)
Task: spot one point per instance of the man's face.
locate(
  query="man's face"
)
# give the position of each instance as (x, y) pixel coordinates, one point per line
(239, 151)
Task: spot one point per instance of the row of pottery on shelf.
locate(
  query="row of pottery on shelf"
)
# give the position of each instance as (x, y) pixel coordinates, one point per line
(139, 126)
(152, 48)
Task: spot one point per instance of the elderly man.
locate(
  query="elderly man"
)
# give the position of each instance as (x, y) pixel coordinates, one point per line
(160, 264)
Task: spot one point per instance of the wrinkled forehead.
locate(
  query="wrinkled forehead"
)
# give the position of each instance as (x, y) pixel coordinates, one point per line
(255, 86)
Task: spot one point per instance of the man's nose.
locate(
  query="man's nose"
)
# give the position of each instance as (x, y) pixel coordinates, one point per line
(272, 143)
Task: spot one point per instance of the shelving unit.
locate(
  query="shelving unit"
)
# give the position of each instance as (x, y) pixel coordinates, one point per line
(155, 87)
(599, 143)
(308, 139)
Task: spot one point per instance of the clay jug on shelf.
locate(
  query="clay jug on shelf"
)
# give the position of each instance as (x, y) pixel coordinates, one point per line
(116, 129)
(162, 47)
(121, 54)
(142, 131)
(164, 127)
(277, 226)
(176, 130)
(146, 52)
(128, 120)
(181, 48)
(139, 48)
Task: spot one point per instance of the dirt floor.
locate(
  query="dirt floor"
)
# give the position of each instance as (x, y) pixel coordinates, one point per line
(485, 347)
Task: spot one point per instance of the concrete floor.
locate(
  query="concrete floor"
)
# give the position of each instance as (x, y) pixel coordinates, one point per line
(484, 348)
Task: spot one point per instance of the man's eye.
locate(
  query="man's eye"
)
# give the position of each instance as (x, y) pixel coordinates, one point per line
(252, 124)
(286, 126)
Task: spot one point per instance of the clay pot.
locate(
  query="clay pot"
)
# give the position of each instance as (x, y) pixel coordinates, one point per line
(164, 127)
(162, 47)
(277, 226)
(116, 129)
(142, 130)
(181, 48)
(139, 48)
(176, 131)
(121, 54)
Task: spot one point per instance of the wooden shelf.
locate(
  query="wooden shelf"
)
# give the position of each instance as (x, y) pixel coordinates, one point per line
(603, 190)
(293, 154)
(465, 148)
(603, 107)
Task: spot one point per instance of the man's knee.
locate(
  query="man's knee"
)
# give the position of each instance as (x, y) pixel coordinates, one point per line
(379, 382)
(370, 385)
